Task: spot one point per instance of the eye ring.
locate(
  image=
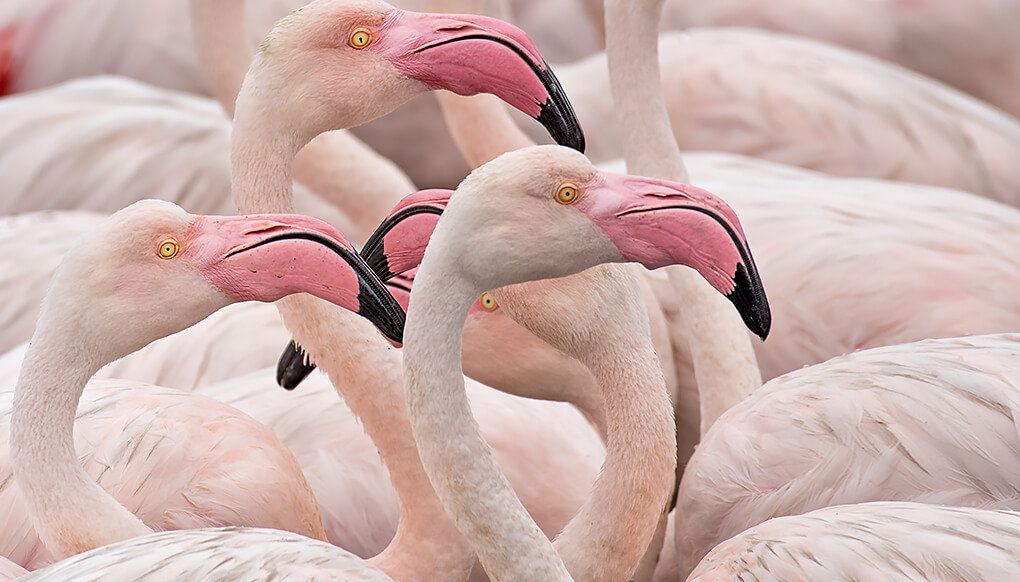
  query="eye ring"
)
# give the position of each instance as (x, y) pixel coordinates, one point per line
(567, 193)
(360, 38)
(168, 248)
(488, 302)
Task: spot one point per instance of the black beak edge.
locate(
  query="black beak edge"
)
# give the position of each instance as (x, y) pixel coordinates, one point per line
(374, 302)
(374, 252)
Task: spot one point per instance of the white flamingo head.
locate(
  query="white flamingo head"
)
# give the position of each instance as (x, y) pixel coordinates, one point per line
(152, 269)
(372, 57)
(560, 215)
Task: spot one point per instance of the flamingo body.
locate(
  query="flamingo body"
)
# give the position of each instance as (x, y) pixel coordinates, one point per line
(931, 421)
(872, 541)
(133, 439)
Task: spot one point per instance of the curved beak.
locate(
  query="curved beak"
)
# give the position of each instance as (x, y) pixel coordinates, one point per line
(294, 365)
(469, 54)
(399, 242)
(657, 223)
(266, 257)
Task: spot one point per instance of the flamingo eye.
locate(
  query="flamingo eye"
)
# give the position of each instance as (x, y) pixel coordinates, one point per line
(360, 38)
(488, 302)
(168, 248)
(567, 194)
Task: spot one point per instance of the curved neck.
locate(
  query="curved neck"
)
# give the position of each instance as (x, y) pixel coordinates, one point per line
(471, 486)
(637, 477)
(361, 366)
(70, 512)
(725, 366)
(366, 372)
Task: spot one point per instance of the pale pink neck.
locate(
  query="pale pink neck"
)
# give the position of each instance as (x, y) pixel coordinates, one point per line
(69, 511)
(221, 41)
(637, 477)
(725, 366)
(632, 52)
(364, 370)
(471, 486)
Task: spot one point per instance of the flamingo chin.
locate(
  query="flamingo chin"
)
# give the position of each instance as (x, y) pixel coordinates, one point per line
(469, 54)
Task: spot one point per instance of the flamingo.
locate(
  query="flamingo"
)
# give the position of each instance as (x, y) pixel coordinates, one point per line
(931, 421)
(200, 264)
(872, 541)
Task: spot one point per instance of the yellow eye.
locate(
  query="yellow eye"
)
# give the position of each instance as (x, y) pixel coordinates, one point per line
(567, 193)
(488, 302)
(360, 38)
(168, 248)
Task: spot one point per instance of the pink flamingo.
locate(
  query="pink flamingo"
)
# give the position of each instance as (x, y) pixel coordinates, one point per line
(872, 541)
(570, 205)
(202, 263)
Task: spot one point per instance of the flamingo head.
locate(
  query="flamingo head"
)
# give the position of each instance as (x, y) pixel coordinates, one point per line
(154, 269)
(558, 215)
(339, 63)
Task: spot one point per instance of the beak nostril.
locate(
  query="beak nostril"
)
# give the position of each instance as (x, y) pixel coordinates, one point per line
(267, 227)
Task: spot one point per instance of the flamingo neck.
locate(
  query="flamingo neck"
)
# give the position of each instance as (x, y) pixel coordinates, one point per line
(725, 367)
(221, 41)
(366, 373)
(473, 490)
(637, 477)
(70, 512)
(261, 166)
(632, 52)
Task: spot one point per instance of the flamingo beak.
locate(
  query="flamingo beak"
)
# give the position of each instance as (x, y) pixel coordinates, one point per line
(658, 223)
(398, 243)
(294, 366)
(469, 54)
(266, 257)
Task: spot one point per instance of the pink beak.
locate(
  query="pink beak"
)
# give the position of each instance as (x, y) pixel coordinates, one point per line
(266, 257)
(398, 244)
(658, 223)
(469, 54)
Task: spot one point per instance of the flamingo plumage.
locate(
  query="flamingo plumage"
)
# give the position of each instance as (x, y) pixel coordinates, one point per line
(878, 541)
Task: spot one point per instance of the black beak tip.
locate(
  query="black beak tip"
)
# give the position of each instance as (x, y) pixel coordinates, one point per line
(748, 296)
(293, 367)
(557, 115)
(565, 131)
(375, 258)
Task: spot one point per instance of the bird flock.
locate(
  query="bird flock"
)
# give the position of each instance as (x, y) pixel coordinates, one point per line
(517, 290)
